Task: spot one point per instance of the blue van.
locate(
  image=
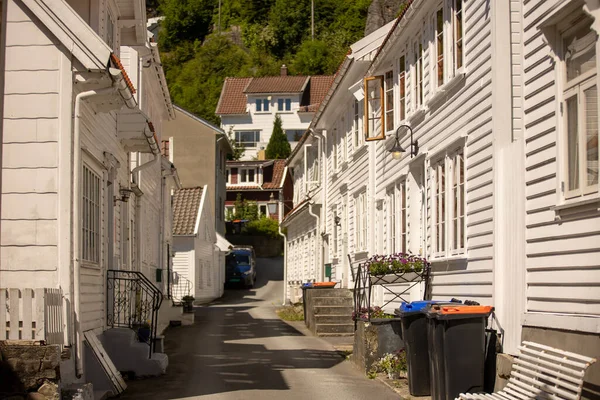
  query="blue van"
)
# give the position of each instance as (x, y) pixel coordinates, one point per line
(240, 266)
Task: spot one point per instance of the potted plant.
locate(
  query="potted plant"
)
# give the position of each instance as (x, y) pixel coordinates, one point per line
(395, 268)
(143, 332)
(188, 303)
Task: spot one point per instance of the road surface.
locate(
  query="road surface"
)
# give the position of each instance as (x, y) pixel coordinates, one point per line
(239, 349)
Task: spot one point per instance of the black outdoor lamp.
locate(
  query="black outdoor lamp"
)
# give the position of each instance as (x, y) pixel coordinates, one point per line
(397, 150)
(337, 220)
(272, 205)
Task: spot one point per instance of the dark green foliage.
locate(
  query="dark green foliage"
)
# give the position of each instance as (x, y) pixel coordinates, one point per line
(244, 209)
(257, 36)
(278, 147)
(263, 226)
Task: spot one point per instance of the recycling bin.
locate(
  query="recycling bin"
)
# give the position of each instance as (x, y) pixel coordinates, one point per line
(456, 336)
(414, 332)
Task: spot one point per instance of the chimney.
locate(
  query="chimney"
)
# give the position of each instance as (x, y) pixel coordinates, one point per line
(283, 70)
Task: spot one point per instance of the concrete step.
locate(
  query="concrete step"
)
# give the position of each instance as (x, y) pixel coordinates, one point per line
(332, 293)
(334, 319)
(337, 335)
(334, 328)
(333, 301)
(333, 310)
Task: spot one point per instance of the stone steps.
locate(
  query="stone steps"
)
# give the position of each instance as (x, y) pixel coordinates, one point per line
(333, 310)
(334, 319)
(335, 329)
(332, 301)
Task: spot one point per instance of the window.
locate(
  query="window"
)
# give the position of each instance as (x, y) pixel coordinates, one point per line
(110, 31)
(360, 223)
(439, 45)
(458, 34)
(357, 129)
(374, 118)
(228, 176)
(580, 109)
(402, 84)
(247, 175)
(448, 189)
(247, 138)
(90, 216)
(403, 215)
(389, 101)
(262, 210)
(418, 73)
(392, 222)
(262, 105)
(294, 135)
(334, 149)
(284, 104)
(335, 233)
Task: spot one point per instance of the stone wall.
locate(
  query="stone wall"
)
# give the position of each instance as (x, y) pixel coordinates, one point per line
(29, 370)
(373, 341)
(263, 246)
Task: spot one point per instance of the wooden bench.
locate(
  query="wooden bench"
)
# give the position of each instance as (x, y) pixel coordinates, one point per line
(542, 372)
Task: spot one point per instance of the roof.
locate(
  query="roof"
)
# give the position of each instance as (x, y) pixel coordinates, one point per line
(233, 99)
(186, 206)
(275, 179)
(277, 84)
(117, 61)
(319, 85)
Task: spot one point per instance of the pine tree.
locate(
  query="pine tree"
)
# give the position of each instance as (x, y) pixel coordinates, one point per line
(278, 147)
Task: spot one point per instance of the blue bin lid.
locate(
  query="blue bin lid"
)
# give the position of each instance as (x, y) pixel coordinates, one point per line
(419, 306)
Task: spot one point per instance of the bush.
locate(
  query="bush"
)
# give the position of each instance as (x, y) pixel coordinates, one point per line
(263, 226)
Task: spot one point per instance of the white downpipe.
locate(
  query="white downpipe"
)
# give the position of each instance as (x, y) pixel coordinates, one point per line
(75, 300)
(285, 250)
(322, 184)
(320, 253)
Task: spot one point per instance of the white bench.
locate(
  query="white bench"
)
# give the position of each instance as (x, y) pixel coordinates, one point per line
(542, 372)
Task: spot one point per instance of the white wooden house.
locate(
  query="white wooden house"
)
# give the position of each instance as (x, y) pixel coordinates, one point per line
(198, 251)
(84, 190)
(500, 192)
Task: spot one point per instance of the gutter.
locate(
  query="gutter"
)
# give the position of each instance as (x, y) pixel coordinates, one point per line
(285, 250)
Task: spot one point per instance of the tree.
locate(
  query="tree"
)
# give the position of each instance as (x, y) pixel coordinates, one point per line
(244, 209)
(278, 146)
(185, 20)
(238, 151)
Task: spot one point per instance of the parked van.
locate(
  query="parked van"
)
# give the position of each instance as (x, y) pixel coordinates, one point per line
(240, 266)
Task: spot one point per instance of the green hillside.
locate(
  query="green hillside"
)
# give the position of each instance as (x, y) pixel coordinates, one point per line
(255, 37)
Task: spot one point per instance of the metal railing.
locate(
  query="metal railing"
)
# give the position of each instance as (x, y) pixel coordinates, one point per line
(179, 288)
(133, 302)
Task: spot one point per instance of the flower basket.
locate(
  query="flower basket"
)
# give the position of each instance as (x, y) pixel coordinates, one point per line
(395, 268)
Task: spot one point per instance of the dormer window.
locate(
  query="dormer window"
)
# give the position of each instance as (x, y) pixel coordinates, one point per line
(262, 105)
(247, 175)
(284, 104)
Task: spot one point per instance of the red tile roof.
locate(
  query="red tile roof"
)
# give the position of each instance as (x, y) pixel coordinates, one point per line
(233, 95)
(233, 99)
(277, 84)
(186, 205)
(319, 86)
(275, 183)
(118, 63)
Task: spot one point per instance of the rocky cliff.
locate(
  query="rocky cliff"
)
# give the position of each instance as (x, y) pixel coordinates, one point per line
(380, 13)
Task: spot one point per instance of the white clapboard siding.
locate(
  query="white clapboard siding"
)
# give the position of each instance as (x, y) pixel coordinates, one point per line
(562, 266)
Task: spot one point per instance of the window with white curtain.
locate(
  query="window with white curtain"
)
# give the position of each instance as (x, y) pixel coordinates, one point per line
(360, 221)
(357, 125)
(579, 109)
(448, 205)
(389, 101)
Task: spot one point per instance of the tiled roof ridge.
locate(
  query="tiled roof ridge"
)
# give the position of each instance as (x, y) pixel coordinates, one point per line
(117, 61)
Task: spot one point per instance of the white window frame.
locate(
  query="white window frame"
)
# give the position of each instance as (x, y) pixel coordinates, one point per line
(443, 200)
(389, 104)
(357, 125)
(284, 104)
(228, 176)
(241, 174)
(336, 233)
(439, 35)
(403, 216)
(264, 103)
(392, 206)
(419, 83)
(569, 89)
(402, 76)
(454, 25)
(360, 222)
(112, 39)
(91, 225)
(256, 141)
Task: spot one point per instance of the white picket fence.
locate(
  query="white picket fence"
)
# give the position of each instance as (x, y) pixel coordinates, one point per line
(32, 314)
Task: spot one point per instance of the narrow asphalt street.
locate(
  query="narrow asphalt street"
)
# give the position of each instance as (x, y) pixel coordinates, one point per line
(239, 349)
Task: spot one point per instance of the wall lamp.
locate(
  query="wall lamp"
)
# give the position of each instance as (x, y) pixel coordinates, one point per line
(125, 194)
(397, 150)
(337, 220)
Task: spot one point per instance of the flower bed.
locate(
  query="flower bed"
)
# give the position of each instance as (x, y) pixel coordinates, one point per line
(399, 263)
